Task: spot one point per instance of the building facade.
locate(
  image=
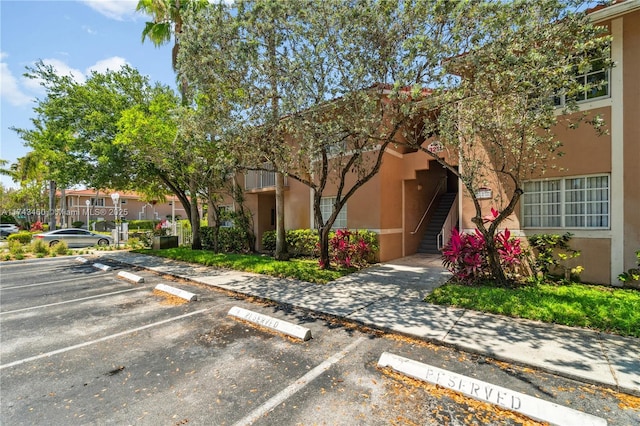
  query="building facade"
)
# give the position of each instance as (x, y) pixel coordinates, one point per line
(594, 193)
(99, 206)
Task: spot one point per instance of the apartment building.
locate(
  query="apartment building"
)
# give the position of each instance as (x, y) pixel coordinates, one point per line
(594, 193)
(100, 205)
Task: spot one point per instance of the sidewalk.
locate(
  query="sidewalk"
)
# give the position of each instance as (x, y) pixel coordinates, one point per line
(389, 296)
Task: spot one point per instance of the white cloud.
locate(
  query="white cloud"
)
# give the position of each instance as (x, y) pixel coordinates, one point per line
(89, 30)
(9, 86)
(114, 9)
(114, 64)
(61, 68)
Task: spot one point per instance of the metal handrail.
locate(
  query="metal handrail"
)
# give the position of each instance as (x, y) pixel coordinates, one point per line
(447, 224)
(435, 194)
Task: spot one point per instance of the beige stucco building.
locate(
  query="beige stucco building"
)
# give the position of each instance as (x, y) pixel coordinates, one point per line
(594, 193)
(99, 205)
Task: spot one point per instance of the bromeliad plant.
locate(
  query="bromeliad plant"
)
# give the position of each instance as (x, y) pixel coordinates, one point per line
(465, 256)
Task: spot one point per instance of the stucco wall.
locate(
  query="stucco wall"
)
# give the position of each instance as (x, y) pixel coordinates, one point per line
(631, 75)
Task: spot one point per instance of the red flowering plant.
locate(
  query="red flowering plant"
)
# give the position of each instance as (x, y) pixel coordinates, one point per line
(37, 227)
(348, 249)
(465, 256)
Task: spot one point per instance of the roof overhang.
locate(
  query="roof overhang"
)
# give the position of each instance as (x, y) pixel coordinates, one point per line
(614, 11)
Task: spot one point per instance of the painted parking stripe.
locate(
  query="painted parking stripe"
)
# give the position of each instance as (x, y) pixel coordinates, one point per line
(102, 339)
(39, 271)
(70, 301)
(536, 408)
(47, 283)
(297, 385)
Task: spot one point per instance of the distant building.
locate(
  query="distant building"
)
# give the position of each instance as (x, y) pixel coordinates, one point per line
(99, 206)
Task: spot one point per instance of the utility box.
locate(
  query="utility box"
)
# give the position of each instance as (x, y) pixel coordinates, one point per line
(160, 243)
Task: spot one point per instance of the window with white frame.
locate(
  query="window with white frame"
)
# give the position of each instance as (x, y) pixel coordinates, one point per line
(326, 208)
(595, 81)
(97, 203)
(576, 202)
(225, 216)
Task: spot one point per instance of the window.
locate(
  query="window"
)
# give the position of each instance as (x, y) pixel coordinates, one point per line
(97, 203)
(578, 202)
(225, 216)
(595, 83)
(326, 208)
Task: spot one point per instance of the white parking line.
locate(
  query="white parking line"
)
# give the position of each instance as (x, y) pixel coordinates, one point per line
(49, 282)
(70, 301)
(21, 271)
(102, 339)
(296, 386)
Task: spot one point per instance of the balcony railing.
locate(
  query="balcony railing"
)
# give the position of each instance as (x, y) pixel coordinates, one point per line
(260, 179)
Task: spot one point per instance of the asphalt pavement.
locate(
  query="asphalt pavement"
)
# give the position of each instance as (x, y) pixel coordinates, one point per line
(390, 296)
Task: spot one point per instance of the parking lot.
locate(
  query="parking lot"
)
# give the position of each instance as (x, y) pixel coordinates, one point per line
(82, 346)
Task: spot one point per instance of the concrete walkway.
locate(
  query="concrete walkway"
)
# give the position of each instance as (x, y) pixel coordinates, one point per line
(389, 296)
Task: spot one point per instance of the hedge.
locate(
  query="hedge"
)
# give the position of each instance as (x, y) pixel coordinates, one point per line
(24, 237)
(304, 242)
(230, 240)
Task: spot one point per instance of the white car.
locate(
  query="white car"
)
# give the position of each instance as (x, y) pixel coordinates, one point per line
(8, 229)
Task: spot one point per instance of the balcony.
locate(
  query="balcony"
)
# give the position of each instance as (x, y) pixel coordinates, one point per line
(261, 180)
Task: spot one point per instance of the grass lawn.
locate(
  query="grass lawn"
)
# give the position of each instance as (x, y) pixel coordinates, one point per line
(578, 305)
(301, 269)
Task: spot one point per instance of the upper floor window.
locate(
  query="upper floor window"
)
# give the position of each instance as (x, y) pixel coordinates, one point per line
(97, 203)
(577, 202)
(594, 81)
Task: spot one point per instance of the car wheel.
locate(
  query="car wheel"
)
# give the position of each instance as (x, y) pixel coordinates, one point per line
(53, 243)
(102, 242)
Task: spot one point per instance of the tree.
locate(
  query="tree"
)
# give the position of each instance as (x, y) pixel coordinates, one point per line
(244, 47)
(499, 116)
(324, 88)
(167, 20)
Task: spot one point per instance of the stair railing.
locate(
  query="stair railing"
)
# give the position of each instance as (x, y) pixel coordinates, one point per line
(452, 219)
(435, 194)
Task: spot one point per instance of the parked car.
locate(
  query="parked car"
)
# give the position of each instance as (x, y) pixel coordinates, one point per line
(74, 237)
(7, 229)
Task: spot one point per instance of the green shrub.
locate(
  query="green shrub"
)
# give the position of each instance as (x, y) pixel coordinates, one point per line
(39, 247)
(304, 242)
(632, 274)
(23, 237)
(15, 247)
(60, 248)
(551, 255)
(269, 240)
(230, 240)
(7, 218)
(78, 224)
(135, 243)
(145, 238)
(234, 240)
(142, 224)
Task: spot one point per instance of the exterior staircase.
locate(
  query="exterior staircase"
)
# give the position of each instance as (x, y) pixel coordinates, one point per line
(429, 243)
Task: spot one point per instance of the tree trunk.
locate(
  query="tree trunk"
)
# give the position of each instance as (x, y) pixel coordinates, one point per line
(282, 252)
(196, 243)
(52, 205)
(493, 257)
(323, 233)
(64, 218)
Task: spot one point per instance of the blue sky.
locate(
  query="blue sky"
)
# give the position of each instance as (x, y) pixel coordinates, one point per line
(74, 37)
